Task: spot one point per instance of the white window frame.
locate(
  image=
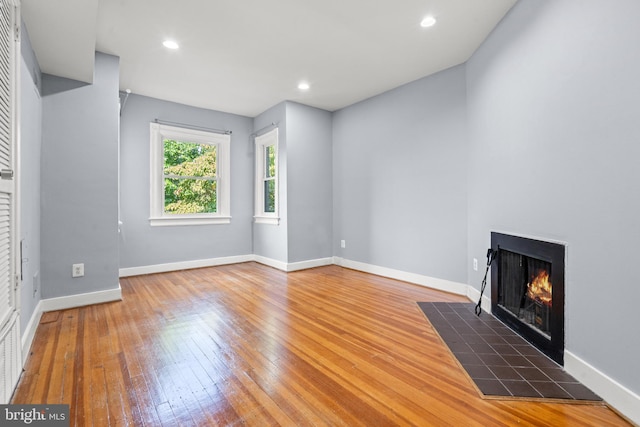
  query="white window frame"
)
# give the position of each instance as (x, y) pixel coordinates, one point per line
(263, 141)
(160, 132)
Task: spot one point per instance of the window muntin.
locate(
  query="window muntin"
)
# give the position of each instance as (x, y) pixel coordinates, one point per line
(266, 203)
(189, 176)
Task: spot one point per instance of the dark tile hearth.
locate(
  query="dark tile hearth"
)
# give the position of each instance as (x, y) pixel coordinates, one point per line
(498, 361)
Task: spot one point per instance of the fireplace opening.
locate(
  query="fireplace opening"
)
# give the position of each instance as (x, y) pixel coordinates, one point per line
(527, 290)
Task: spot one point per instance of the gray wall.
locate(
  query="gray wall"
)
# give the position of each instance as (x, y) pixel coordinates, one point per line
(400, 180)
(270, 240)
(79, 182)
(32, 68)
(554, 129)
(309, 182)
(143, 245)
(29, 170)
(305, 194)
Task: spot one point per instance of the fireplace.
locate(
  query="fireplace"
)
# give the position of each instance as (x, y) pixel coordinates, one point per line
(527, 290)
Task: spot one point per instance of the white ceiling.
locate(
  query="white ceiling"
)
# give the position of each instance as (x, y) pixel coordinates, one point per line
(244, 56)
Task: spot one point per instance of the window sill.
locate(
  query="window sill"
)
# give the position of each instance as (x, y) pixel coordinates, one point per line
(188, 220)
(273, 220)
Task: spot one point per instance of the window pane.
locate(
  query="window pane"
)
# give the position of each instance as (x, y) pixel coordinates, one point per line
(189, 158)
(270, 196)
(270, 161)
(186, 196)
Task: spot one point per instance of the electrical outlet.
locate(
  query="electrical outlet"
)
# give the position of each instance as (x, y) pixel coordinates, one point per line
(475, 264)
(343, 244)
(77, 270)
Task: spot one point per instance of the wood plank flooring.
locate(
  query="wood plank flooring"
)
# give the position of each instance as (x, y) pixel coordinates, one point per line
(246, 344)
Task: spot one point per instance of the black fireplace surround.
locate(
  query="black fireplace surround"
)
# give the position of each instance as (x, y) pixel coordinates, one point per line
(518, 260)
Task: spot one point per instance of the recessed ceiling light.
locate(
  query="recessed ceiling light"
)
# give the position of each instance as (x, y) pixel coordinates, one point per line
(304, 86)
(428, 21)
(170, 44)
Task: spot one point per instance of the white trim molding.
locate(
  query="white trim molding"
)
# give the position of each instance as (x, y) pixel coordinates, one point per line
(262, 177)
(166, 221)
(473, 294)
(63, 303)
(295, 266)
(280, 265)
(313, 263)
(30, 331)
(212, 262)
(623, 400)
(417, 279)
(266, 220)
(159, 133)
(80, 300)
(184, 265)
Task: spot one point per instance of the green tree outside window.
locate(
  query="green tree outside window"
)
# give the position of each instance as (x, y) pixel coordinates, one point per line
(190, 177)
(270, 179)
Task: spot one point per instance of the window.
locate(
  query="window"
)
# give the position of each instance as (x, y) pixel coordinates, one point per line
(189, 176)
(266, 203)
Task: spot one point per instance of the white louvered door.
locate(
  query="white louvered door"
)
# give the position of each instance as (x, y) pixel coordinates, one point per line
(10, 364)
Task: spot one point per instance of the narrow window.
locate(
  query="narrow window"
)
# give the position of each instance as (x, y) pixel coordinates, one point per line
(266, 203)
(189, 176)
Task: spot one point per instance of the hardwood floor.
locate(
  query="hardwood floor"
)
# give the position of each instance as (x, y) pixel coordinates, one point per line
(246, 344)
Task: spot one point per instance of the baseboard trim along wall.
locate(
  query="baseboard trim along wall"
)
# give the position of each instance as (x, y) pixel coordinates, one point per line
(473, 294)
(623, 400)
(303, 265)
(184, 265)
(30, 331)
(416, 279)
(63, 303)
(280, 265)
(212, 262)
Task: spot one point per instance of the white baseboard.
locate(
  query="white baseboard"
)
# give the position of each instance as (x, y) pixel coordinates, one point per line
(417, 279)
(293, 266)
(618, 396)
(280, 265)
(30, 331)
(473, 294)
(431, 282)
(63, 303)
(615, 394)
(80, 300)
(303, 265)
(184, 265)
(212, 262)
